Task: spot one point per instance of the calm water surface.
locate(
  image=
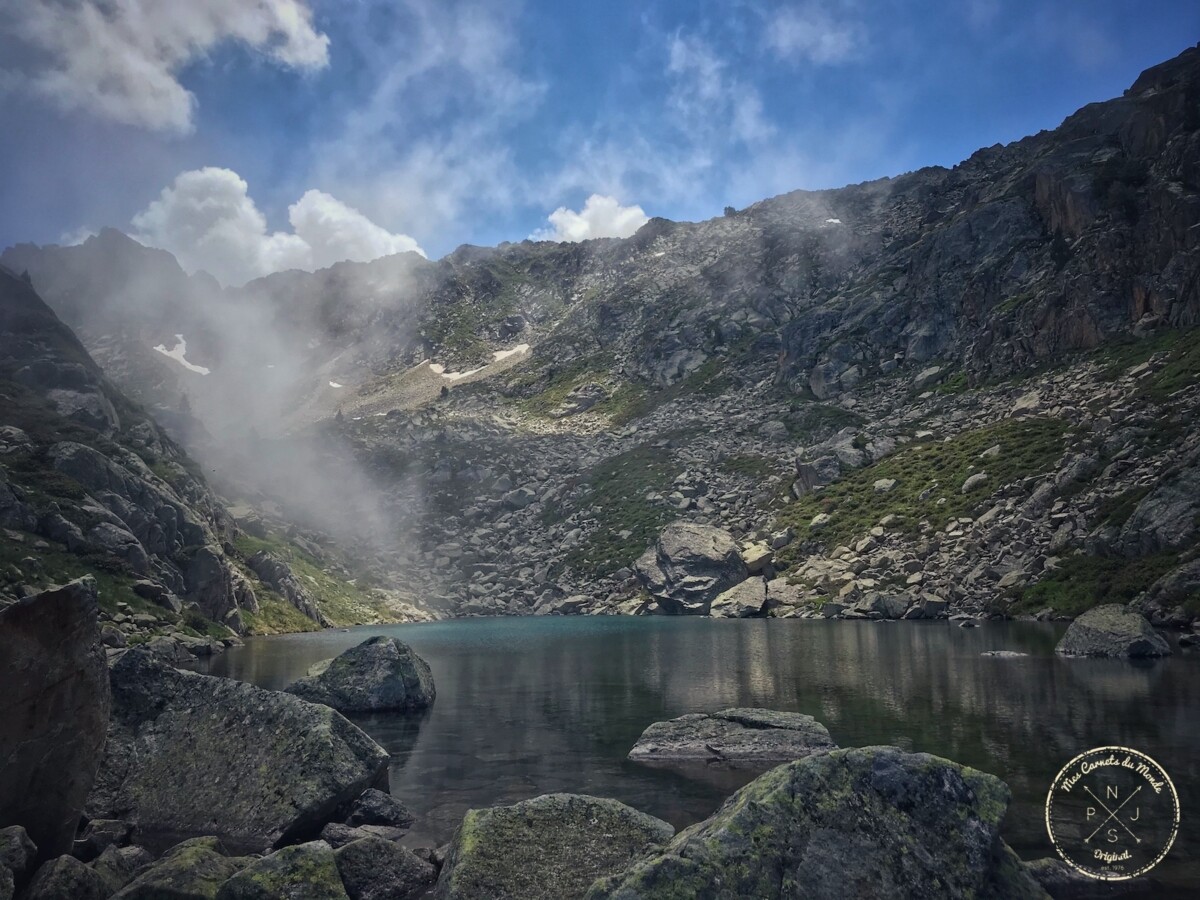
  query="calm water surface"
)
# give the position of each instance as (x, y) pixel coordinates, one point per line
(529, 706)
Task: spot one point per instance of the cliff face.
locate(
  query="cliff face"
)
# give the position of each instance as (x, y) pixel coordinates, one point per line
(89, 482)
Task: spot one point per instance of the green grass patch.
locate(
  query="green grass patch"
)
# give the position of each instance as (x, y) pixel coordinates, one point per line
(1084, 581)
(276, 616)
(709, 380)
(955, 384)
(1027, 447)
(342, 602)
(114, 583)
(618, 486)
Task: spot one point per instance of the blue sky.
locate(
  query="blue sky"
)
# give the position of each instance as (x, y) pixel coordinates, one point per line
(319, 128)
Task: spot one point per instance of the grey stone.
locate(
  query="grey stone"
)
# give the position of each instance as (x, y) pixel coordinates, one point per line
(303, 872)
(192, 870)
(1112, 630)
(689, 566)
(66, 878)
(733, 736)
(742, 601)
(548, 848)
(380, 674)
(193, 754)
(375, 869)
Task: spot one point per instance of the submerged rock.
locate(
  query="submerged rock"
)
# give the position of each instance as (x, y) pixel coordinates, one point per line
(689, 566)
(303, 872)
(54, 706)
(871, 822)
(733, 736)
(548, 848)
(375, 807)
(1112, 630)
(193, 754)
(380, 674)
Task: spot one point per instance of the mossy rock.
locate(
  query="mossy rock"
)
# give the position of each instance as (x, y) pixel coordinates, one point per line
(380, 674)
(67, 877)
(378, 869)
(549, 848)
(303, 872)
(871, 822)
(193, 870)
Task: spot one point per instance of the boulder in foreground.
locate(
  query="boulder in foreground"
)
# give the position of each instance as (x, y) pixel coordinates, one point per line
(549, 848)
(689, 566)
(303, 872)
(1112, 630)
(733, 736)
(54, 706)
(194, 754)
(860, 823)
(380, 674)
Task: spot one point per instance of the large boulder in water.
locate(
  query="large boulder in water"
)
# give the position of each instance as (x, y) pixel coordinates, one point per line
(734, 736)
(689, 566)
(194, 754)
(54, 707)
(379, 674)
(1112, 630)
(871, 822)
(549, 848)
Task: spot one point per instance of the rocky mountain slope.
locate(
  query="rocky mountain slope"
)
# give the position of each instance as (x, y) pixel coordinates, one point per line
(971, 389)
(89, 484)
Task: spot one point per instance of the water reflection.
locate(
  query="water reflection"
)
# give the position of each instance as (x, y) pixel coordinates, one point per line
(535, 705)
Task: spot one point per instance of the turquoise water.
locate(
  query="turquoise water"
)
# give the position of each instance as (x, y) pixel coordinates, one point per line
(533, 705)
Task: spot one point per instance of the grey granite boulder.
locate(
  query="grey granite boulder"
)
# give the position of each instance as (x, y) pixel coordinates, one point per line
(733, 736)
(743, 601)
(18, 853)
(193, 754)
(871, 822)
(375, 807)
(548, 848)
(54, 706)
(689, 566)
(380, 674)
(1112, 630)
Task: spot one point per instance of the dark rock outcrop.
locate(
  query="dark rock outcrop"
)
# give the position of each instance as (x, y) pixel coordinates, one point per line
(1112, 630)
(379, 674)
(733, 736)
(55, 705)
(548, 848)
(689, 566)
(277, 574)
(374, 807)
(192, 754)
(871, 822)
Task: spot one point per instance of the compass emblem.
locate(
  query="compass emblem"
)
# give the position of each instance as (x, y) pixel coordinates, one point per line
(1112, 813)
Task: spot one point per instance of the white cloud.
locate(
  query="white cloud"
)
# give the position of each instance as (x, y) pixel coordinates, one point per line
(600, 217)
(811, 32)
(120, 59)
(708, 101)
(207, 218)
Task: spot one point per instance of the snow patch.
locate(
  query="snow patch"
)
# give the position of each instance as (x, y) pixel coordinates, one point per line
(179, 354)
(334, 384)
(833, 221)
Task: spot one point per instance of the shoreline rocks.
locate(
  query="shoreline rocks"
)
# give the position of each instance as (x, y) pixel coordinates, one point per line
(733, 736)
(380, 674)
(194, 754)
(1112, 630)
(870, 822)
